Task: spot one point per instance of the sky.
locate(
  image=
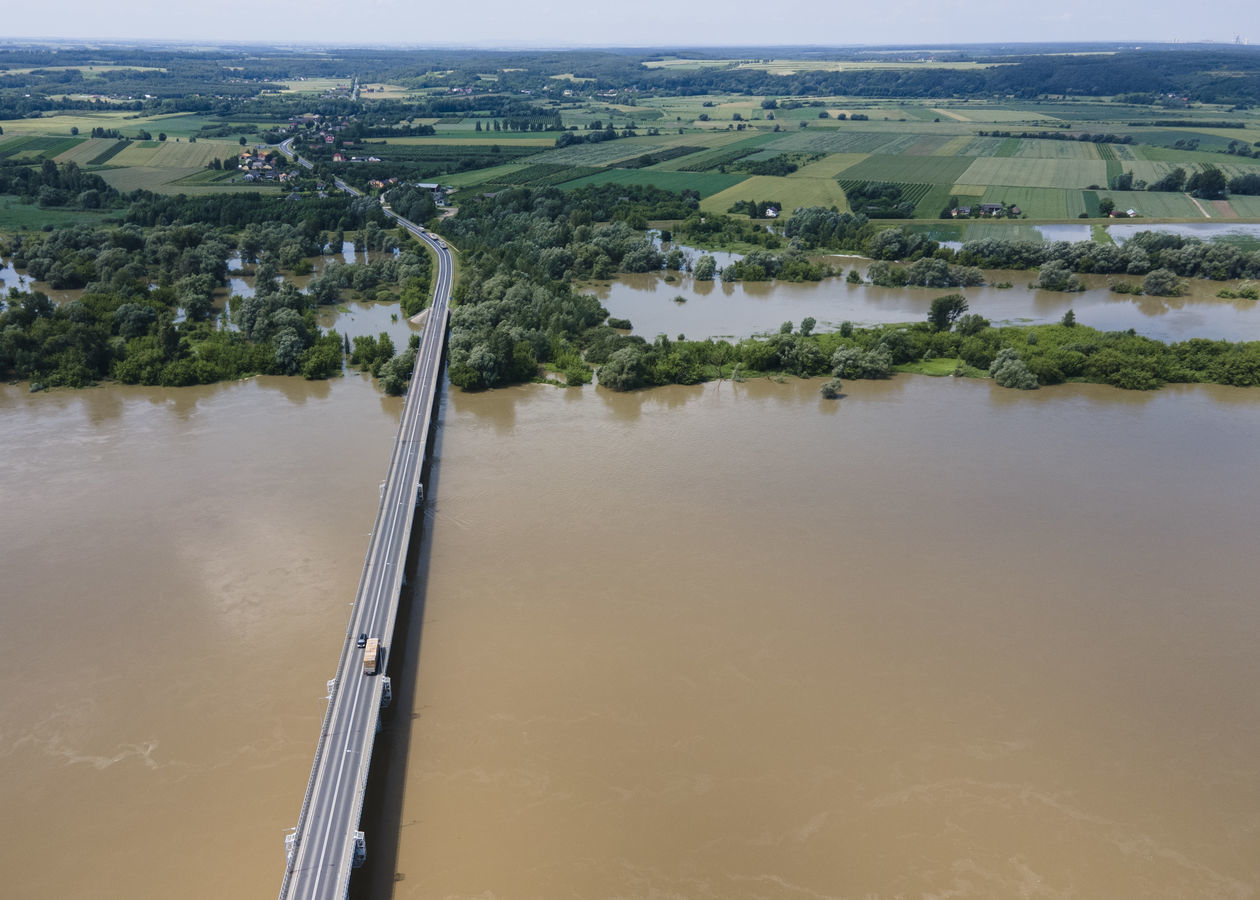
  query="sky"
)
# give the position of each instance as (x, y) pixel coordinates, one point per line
(691, 23)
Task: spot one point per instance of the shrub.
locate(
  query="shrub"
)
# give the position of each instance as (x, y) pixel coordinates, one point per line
(1009, 370)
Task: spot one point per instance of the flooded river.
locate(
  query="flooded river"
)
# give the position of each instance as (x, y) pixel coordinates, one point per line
(935, 639)
(733, 641)
(746, 308)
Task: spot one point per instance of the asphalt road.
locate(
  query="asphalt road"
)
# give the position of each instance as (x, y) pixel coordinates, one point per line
(324, 845)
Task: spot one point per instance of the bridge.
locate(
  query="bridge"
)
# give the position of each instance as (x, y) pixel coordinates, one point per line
(327, 843)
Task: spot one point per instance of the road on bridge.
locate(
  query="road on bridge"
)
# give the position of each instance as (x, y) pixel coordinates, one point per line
(321, 850)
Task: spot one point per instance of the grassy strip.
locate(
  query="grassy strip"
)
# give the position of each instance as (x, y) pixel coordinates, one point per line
(932, 202)
(939, 368)
(714, 160)
(108, 153)
(13, 146)
(660, 156)
(707, 184)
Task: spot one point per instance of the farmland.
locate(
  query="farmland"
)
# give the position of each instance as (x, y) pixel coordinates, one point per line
(791, 191)
(497, 126)
(1059, 173)
(708, 184)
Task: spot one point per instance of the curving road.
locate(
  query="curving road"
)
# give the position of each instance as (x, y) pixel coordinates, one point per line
(321, 851)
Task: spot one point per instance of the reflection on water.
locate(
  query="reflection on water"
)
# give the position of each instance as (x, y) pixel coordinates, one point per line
(1071, 233)
(1204, 231)
(941, 638)
(10, 277)
(715, 309)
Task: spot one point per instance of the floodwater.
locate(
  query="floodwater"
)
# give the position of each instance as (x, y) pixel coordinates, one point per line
(1204, 231)
(741, 309)
(178, 569)
(934, 639)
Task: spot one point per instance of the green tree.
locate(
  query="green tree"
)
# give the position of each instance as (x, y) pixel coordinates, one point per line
(946, 310)
(624, 371)
(705, 268)
(1210, 184)
(1162, 283)
(1009, 370)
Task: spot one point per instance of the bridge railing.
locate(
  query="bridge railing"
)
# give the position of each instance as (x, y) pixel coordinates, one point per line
(341, 664)
(328, 711)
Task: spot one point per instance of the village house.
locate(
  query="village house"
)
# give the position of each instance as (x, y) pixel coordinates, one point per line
(439, 195)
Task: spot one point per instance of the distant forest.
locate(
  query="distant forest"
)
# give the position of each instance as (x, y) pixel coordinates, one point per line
(213, 81)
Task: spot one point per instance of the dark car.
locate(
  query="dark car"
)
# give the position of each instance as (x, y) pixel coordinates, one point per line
(362, 641)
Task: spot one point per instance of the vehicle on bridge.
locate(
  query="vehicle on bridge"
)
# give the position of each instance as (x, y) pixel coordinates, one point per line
(371, 656)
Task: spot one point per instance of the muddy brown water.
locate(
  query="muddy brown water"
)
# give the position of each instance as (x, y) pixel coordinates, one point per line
(742, 309)
(934, 639)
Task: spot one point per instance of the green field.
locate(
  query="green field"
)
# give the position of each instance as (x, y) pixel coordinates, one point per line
(86, 151)
(1247, 207)
(1037, 203)
(792, 192)
(830, 165)
(964, 145)
(1153, 205)
(601, 154)
(935, 199)
(1031, 148)
(846, 142)
(15, 215)
(172, 154)
(1017, 172)
(32, 147)
(501, 174)
(473, 138)
(707, 183)
(913, 169)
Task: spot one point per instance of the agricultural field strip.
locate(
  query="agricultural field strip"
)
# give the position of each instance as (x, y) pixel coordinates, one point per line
(1040, 149)
(37, 146)
(1151, 204)
(86, 152)
(470, 140)
(909, 169)
(708, 183)
(178, 155)
(1247, 207)
(1035, 202)
(601, 154)
(846, 142)
(1017, 172)
(792, 192)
